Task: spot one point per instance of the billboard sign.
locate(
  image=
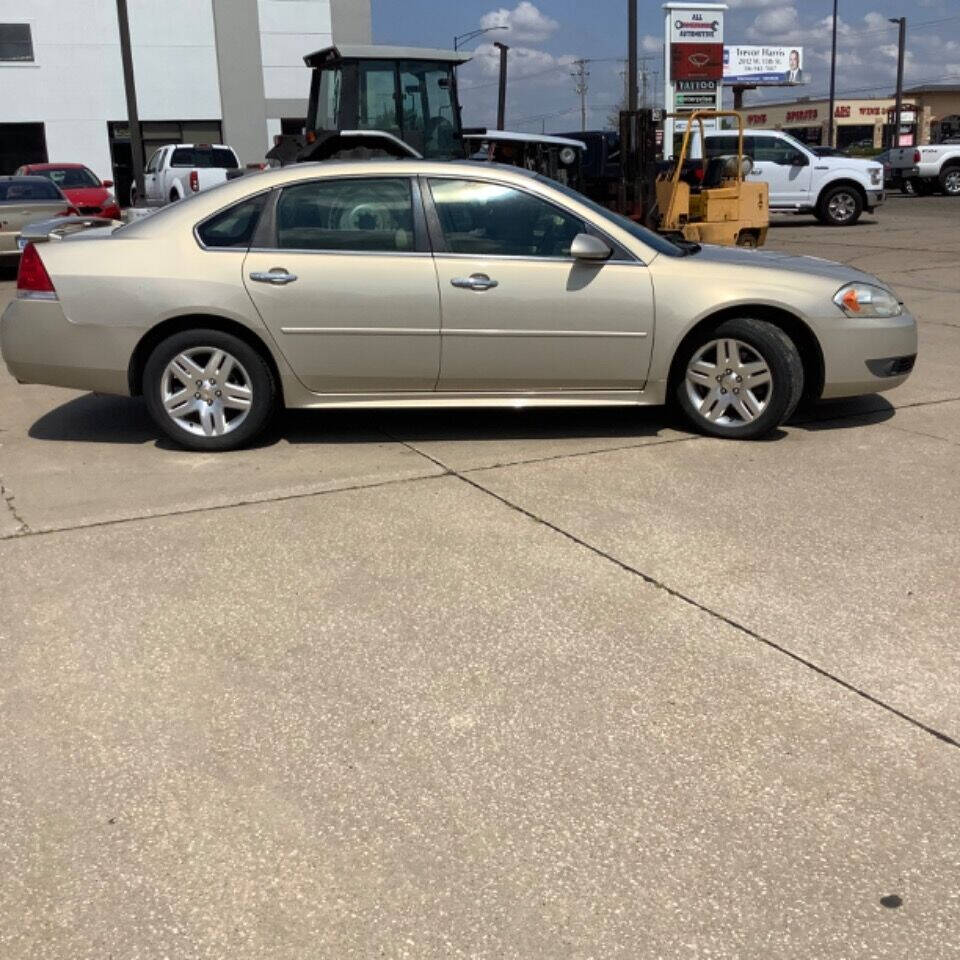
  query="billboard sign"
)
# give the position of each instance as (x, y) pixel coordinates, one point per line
(763, 66)
(696, 26)
(696, 61)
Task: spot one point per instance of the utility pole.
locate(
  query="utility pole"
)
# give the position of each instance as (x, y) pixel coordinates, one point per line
(632, 56)
(502, 93)
(833, 78)
(581, 87)
(898, 110)
(133, 117)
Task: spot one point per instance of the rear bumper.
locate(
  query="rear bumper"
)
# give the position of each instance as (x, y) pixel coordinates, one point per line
(866, 356)
(40, 345)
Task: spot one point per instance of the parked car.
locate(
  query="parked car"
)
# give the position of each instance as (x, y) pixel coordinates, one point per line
(179, 170)
(24, 200)
(404, 283)
(80, 185)
(836, 189)
(929, 168)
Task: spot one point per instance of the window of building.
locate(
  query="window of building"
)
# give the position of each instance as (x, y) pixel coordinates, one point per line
(16, 43)
(349, 215)
(490, 219)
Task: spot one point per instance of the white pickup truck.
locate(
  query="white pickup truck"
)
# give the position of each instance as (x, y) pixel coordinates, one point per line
(928, 168)
(178, 170)
(836, 189)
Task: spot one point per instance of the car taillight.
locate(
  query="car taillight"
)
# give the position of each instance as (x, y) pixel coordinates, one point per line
(194, 181)
(917, 156)
(33, 281)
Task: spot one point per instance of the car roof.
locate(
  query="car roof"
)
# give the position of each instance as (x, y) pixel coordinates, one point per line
(54, 166)
(24, 177)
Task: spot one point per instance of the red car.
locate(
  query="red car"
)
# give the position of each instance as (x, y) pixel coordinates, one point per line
(80, 185)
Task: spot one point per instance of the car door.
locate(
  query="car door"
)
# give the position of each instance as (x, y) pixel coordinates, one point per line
(519, 313)
(345, 283)
(778, 162)
(151, 176)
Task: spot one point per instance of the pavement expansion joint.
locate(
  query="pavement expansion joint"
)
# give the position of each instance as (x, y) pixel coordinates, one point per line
(690, 601)
(22, 526)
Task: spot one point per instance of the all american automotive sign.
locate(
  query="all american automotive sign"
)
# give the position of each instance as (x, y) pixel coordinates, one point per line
(696, 26)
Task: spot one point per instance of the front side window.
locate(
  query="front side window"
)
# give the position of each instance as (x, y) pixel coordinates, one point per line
(326, 115)
(491, 219)
(233, 227)
(350, 215)
(377, 107)
(16, 44)
(428, 118)
(771, 149)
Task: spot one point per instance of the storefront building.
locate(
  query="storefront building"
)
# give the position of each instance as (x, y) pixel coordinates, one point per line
(228, 71)
(928, 115)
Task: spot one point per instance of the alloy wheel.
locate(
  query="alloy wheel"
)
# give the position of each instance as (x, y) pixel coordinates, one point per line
(842, 207)
(206, 391)
(729, 383)
(951, 182)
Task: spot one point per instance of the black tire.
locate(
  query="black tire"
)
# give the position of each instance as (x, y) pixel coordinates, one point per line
(847, 199)
(908, 187)
(251, 366)
(780, 400)
(923, 188)
(950, 181)
(174, 196)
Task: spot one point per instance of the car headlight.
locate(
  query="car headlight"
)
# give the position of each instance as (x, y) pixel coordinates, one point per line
(866, 300)
(876, 176)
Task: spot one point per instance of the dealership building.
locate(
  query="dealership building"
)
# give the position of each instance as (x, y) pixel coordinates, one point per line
(929, 114)
(206, 71)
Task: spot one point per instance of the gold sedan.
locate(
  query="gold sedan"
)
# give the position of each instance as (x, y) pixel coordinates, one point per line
(414, 284)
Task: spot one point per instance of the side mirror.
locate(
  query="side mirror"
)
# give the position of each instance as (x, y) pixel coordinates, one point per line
(587, 247)
(107, 184)
(799, 160)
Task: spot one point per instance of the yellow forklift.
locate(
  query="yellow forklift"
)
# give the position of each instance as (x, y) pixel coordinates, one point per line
(709, 201)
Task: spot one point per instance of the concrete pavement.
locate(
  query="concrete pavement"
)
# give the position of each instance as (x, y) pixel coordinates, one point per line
(491, 684)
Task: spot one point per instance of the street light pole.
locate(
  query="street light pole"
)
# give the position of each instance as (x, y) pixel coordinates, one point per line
(898, 110)
(502, 92)
(133, 117)
(469, 35)
(833, 77)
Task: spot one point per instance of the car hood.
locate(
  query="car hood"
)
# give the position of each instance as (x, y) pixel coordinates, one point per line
(775, 260)
(87, 196)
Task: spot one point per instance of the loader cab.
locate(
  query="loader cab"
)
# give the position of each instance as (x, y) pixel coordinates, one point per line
(383, 101)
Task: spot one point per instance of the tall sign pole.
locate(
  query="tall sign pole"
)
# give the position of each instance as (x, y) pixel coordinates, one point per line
(133, 117)
(833, 78)
(693, 63)
(898, 111)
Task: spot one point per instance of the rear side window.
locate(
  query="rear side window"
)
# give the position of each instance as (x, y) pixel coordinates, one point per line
(362, 215)
(724, 146)
(204, 158)
(34, 189)
(235, 226)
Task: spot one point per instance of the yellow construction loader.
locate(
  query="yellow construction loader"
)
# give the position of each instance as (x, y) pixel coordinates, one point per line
(709, 201)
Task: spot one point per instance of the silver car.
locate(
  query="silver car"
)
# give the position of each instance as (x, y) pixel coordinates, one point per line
(418, 284)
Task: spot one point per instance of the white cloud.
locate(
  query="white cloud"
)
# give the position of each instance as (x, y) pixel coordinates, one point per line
(753, 4)
(776, 25)
(522, 63)
(650, 44)
(523, 22)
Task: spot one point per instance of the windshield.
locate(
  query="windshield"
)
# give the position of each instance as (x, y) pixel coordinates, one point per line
(70, 178)
(32, 189)
(645, 236)
(221, 158)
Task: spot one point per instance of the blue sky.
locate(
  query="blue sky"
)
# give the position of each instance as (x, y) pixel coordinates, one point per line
(545, 36)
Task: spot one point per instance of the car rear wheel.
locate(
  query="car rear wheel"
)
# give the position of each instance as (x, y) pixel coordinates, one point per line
(209, 390)
(950, 181)
(740, 380)
(840, 207)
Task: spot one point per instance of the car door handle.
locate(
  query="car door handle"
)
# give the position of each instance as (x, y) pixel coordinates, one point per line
(277, 277)
(478, 281)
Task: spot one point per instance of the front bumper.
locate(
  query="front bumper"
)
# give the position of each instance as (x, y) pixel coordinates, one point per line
(40, 345)
(875, 198)
(866, 356)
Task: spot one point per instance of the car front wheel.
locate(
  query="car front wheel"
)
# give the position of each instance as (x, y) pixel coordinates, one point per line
(209, 390)
(840, 207)
(740, 380)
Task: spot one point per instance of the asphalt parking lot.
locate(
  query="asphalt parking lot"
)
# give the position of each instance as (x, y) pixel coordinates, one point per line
(513, 684)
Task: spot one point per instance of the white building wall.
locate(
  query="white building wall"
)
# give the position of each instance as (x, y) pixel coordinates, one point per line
(290, 29)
